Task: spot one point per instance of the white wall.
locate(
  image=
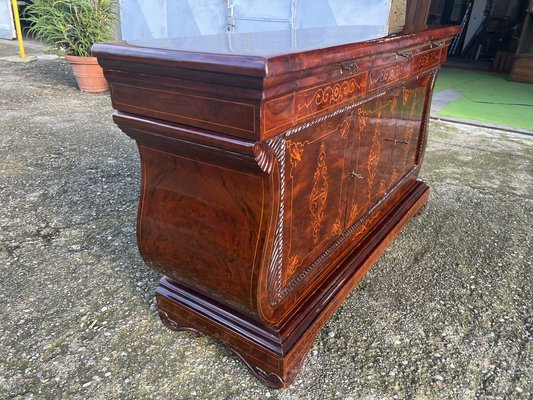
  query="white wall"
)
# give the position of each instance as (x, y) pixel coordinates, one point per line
(144, 19)
(313, 13)
(7, 29)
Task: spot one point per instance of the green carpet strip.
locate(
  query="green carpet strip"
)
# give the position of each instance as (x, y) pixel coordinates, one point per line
(487, 97)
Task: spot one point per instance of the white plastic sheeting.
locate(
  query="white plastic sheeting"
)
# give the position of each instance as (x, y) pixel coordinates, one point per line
(7, 28)
(272, 44)
(145, 19)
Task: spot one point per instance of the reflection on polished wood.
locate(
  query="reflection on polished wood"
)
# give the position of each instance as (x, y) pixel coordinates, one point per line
(271, 183)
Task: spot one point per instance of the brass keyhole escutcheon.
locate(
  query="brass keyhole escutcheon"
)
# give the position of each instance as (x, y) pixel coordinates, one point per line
(404, 54)
(349, 67)
(395, 141)
(355, 175)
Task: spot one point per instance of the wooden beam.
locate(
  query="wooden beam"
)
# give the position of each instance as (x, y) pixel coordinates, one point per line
(397, 15)
(417, 14)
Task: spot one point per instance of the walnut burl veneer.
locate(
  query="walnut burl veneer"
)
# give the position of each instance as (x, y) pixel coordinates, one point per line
(276, 168)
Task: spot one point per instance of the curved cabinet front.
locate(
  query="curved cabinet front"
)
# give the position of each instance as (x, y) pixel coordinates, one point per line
(270, 184)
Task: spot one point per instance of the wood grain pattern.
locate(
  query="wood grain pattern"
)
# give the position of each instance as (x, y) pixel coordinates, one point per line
(186, 108)
(287, 110)
(271, 184)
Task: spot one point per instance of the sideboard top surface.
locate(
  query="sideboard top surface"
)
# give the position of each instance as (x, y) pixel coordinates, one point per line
(266, 54)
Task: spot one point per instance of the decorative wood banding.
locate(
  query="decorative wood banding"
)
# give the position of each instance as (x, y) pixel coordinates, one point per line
(271, 182)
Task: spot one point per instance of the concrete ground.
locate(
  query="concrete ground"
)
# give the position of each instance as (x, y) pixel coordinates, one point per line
(34, 50)
(446, 312)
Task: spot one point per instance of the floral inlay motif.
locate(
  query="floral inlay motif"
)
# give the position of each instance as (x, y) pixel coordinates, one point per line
(294, 263)
(427, 59)
(390, 74)
(336, 228)
(334, 94)
(319, 194)
(296, 150)
(344, 127)
(393, 105)
(406, 93)
(373, 158)
(354, 211)
(363, 118)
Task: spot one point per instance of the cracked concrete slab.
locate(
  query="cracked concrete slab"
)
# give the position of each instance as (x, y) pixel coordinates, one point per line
(444, 313)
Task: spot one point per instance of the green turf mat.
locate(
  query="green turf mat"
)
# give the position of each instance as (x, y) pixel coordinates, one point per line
(488, 97)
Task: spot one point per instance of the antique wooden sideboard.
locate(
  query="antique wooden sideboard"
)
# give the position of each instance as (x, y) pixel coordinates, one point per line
(276, 168)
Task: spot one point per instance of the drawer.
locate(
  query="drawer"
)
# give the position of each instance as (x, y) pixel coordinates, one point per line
(193, 109)
(304, 104)
(345, 82)
(410, 65)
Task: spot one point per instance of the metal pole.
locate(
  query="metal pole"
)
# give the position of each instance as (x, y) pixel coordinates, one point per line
(19, 30)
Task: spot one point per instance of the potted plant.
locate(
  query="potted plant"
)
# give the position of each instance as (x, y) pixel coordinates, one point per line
(74, 26)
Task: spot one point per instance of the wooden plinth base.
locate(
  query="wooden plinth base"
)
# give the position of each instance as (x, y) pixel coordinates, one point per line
(275, 355)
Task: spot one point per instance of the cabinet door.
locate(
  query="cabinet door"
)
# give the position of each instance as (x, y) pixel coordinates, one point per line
(385, 145)
(316, 161)
(369, 176)
(409, 126)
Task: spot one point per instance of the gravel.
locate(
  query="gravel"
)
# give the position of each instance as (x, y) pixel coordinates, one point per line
(446, 312)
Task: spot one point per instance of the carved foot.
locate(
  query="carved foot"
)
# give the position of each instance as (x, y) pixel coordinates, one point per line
(175, 326)
(268, 378)
(180, 309)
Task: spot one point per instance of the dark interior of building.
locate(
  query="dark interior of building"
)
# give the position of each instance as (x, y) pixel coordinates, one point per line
(497, 35)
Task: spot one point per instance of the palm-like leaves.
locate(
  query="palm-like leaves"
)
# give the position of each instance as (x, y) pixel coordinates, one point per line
(71, 25)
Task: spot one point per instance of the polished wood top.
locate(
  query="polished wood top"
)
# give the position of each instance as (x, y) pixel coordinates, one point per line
(266, 53)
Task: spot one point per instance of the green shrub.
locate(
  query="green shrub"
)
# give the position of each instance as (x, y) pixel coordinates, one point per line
(71, 25)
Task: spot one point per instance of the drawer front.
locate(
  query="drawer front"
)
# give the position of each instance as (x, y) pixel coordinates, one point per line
(410, 66)
(235, 118)
(294, 108)
(344, 83)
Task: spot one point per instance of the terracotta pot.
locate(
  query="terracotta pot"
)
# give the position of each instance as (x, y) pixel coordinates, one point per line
(88, 74)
